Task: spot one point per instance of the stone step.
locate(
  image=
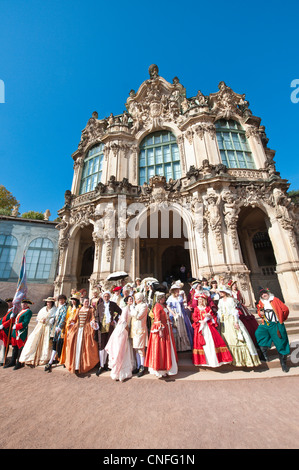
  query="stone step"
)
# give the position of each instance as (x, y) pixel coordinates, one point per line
(185, 360)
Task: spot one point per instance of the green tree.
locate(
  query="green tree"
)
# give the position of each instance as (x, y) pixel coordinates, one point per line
(7, 200)
(33, 215)
(294, 195)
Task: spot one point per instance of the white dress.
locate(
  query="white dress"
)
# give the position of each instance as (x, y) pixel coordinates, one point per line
(37, 350)
(121, 359)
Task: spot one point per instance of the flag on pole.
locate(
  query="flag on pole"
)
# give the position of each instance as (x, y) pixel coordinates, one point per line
(21, 292)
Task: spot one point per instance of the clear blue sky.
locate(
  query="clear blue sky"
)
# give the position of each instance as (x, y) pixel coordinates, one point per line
(62, 60)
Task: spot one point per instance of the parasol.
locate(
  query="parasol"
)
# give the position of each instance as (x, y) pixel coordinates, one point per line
(117, 275)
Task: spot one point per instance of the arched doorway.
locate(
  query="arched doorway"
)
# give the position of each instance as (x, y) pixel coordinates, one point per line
(163, 245)
(85, 257)
(257, 250)
(173, 259)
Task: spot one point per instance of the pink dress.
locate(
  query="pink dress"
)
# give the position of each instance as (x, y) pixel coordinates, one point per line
(121, 359)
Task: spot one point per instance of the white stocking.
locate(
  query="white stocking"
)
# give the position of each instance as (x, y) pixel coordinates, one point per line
(52, 357)
(2, 351)
(103, 357)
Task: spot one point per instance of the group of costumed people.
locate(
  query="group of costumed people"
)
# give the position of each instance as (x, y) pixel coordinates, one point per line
(144, 325)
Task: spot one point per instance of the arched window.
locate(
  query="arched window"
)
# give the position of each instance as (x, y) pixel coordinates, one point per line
(8, 249)
(39, 259)
(92, 169)
(159, 155)
(234, 149)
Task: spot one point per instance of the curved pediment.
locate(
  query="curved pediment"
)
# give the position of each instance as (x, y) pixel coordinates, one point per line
(156, 101)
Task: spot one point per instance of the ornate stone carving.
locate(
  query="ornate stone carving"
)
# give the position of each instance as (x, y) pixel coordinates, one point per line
(94, 130)
(204, 127)
(212, 214)
(227, 104)
(200, 222)
(156, 101)
(230, 212)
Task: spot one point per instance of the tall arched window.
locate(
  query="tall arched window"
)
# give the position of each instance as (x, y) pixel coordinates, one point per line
(92, 169)
(234, 149)
(159, 155)
(8, 249)
(39, 259)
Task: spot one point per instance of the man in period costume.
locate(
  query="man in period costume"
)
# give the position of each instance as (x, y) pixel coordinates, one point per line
(106, 316)
(58, 323)
(20, 333)
(273, 313)
(5, 323)
(139, 332)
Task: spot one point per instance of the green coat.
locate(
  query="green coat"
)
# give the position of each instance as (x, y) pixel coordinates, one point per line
(20, 332)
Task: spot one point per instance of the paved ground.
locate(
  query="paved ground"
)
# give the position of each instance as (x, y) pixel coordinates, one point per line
(59, 410)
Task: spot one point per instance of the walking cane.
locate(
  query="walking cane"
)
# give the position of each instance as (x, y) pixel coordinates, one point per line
(8, 339)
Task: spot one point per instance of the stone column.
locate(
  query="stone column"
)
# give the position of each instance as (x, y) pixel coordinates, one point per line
(78, 167)
(287, 267)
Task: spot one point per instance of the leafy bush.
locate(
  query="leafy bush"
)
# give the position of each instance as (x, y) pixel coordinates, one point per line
(33, 215)
(4, 211)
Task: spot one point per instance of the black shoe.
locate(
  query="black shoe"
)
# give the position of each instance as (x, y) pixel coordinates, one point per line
(141, 371)
(18, 365)
(106, 367)
(9, 364)
(135, 371)
(48, 367)
(264, 353)
(283, 363)
(99, 371)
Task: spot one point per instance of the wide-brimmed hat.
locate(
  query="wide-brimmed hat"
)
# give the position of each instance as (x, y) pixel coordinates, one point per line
(10, 299)
(225, 289)
(159, 295)
(76, 296)
(176, 285)
(50, 299)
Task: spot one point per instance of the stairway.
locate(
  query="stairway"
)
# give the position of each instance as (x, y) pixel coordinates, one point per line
(271, 368)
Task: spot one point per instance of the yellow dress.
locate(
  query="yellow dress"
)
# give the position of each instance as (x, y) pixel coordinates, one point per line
(70, 315)
(239, 342)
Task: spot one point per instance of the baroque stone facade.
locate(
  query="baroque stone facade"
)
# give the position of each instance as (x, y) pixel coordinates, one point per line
(237, 222)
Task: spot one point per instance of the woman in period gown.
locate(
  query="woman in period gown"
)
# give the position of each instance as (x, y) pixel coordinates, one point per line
(82, 352)
(247, 318)
(70, 316)
(209, 348)
(37, 348)
(120, 352)
(182, 323)
(234, 332)
(161, 356)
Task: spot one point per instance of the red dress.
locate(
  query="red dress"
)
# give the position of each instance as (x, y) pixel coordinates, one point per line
(209, 348)
(161, 349)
